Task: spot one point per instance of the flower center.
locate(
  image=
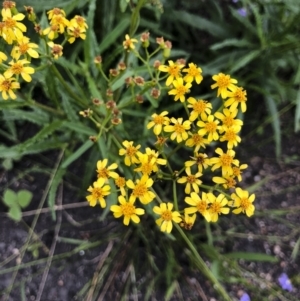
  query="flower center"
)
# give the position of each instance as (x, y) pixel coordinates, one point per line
(228, 121)
(216, 208)
(211, 127)
(17, 68)
(23, 48)
(147, 168)
(223, 81)
(239, 95)
(128, 209)
(158, 119)
(201, 206)
(167, 215)
(139, 190)
(120, 182)
(97, 193)
(197, 139)
(199, 107)
(226, 160)
(191, 179)
(103, 173)
(230, 135)
(174, 70)
(245, 203)
(178, 128)
(130, 151)
(10, 23)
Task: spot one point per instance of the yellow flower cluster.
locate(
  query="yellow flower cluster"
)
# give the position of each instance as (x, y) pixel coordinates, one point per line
(203, 127)
(23, 50)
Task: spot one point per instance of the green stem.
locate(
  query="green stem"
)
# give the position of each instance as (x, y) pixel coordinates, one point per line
(32, 102)
(203, 267)
(175, 195)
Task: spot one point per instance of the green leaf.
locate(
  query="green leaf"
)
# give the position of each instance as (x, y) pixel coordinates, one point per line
(81, 150)
(15, 213)
(114, 35)
(297, 113)
(53, 189)
(252, 256)
(272, 107)
(24, 198)
(79, 128)
(295, 252)
(123, 5)
(245, 60)
(231, 43)
(9, 198)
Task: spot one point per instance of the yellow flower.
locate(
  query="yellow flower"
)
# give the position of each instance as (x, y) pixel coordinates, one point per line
(196, 141)
(55, 12)
(228, 119)
(193, 73)
(61, 22)
(158, 121)
(237, 96)
(24, 47)
(173, 69)
(210, 127)
(129, 43)
(225, 161)
(200, 107)
(51, 31)
(121, 182)
(130, 152)
(104, 172)
(167, 217)
(98, 192)
(200, 159)
(180, 89)
(198, 205)
(179, 129)
(188, 221)
(18, 68)
(75, 33)
(57, 50)
(192, 181)
(12, 29)
(231, 137)
(149, 162)
(78, 21)
(140, 189)
(217, 206)
(243, 202)
(7, 87)
(227, 181)
(223, 83)
(237, 171)
(127, 209)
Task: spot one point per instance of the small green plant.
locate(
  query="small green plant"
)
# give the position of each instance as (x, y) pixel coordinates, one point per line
(16, 202)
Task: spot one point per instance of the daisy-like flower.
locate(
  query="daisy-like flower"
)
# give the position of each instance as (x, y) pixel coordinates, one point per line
(129, 43)
(225, 161)
(209, 126)
(180, 89)
(127, 209)
(12, 29)
(158, 121)
(7, 87)
(140, 189)
(193, 73)
(146, 164)
(75, 33)
(227, 181)
(243, 202)
(196, 141)
(130, 152)
(198, 205)
(121, 183)
(55, 12)
(61, 22)
(52, 31)
(237, 96)
(18, 68)
(173, 69)
(152, 154)
(231, 137)
(104, 172)
(223, 83)
(24, 47)
(179, 129)
(238, 170)
(192, 181)
(228, 119)
(167, 217)
(217, 206)
(200, 108)
(200, 159)
(57, 50)
(3, 57)
(98, 193)
(188, 221)
(79, 21)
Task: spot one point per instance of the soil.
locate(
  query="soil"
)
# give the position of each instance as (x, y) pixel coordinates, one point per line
(274, 230)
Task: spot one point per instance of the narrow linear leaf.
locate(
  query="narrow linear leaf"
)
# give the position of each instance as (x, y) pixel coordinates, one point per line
(297, 113)
(252, 256)
(245, 60)
(231, 43)
(53, 190)
(79, 128)
(295, 252)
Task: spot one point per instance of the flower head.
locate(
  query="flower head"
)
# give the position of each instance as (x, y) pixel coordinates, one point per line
(198, 205)
(243, 202)
(129, 43)
(180, 89)
(173, 69)
(223, 83)
(179, 129)
(193, 73)
(245, 297)
(104, 172)
(23, 47)
(188, 221)
(18, 68)
(158, 121)
(98, 192)
(191, 180)
(201, 108)
(285, 282)
(7, 87)
(167, 217)
(236, 96)
(127, 209)
(209, 126)
(201, 160)
(57, 50)
(130, 152)
(217, 206)
(196, 141)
